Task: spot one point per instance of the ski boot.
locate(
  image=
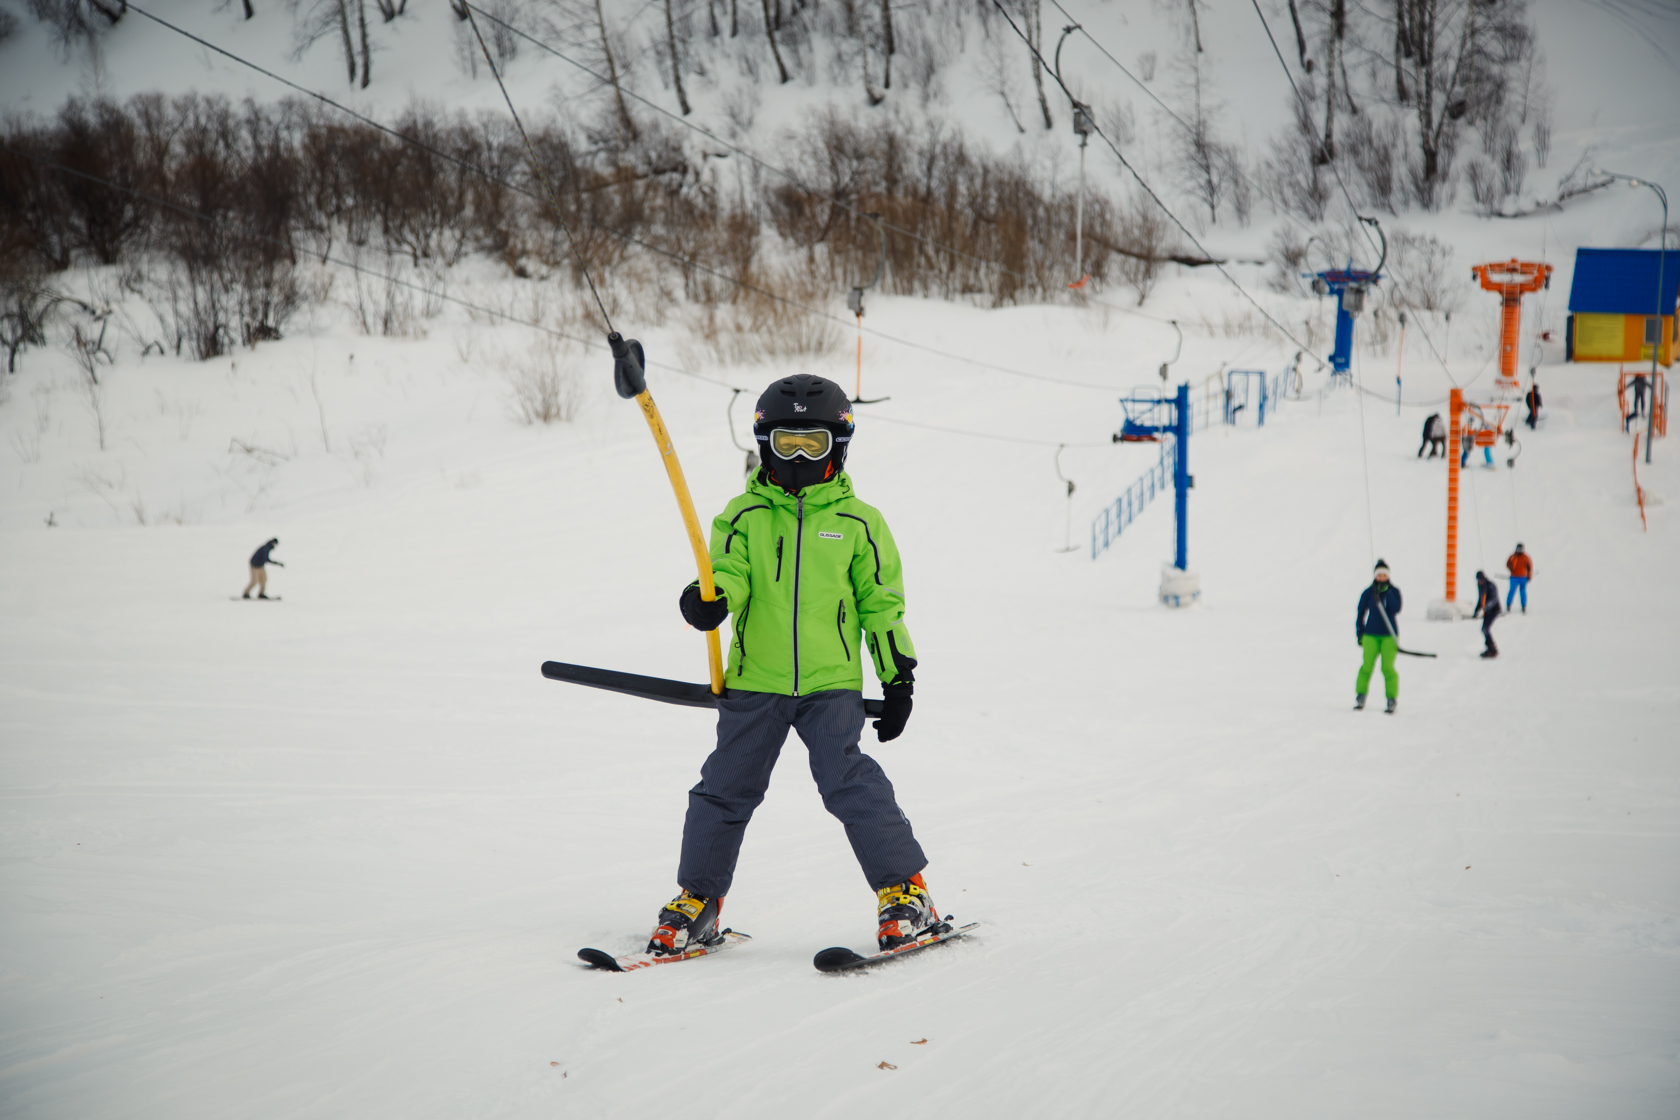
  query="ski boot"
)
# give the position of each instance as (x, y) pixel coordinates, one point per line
(686, 921)
(905, 912)
(1392, 702)
(1359, 702)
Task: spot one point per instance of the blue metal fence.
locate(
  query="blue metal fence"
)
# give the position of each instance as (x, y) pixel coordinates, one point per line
(1108, 525)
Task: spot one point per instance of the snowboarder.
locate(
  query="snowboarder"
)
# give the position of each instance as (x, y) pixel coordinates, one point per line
(1487, 605)
(1522, 570)
(1532, 399)
(260, 560)
(1378, 634)
(815, 585)
(1434, 436)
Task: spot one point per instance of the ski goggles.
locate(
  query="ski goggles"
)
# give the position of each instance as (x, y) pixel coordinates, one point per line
(790, 443)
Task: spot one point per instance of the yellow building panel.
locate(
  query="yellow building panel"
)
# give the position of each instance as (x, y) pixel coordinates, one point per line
(1601, 338)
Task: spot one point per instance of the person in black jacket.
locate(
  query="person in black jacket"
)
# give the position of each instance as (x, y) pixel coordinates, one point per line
(1532, 399)
(1487, 605)
(259, 569)
(1378, 633)
(1434, 436)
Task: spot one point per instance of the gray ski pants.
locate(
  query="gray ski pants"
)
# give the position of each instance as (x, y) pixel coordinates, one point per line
(752, 726)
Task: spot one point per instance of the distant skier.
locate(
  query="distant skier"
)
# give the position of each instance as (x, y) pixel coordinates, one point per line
(260, 560)
(1522, 570)
(1532, 399)
(1640, 385)
(1434, 436)
(814, 581)
(1487, 605)
(1467, 443)
(1378, 633)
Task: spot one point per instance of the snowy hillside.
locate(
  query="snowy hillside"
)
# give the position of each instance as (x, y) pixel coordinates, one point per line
(333, 856)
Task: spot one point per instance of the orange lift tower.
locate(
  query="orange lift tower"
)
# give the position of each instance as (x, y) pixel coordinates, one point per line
(1486, 423)
(1512, 279)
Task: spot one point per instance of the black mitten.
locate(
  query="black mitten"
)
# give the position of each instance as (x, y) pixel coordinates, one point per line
(700, 614)
(895, 710)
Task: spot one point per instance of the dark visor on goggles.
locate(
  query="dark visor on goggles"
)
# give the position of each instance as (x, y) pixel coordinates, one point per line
(812, 443)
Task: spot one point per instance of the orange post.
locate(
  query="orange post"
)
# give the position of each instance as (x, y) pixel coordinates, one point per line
(1512, 279)
(1456, 412)
(859, 392)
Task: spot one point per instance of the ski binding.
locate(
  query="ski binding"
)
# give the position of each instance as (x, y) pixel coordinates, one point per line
(840, 958)
(630, 962)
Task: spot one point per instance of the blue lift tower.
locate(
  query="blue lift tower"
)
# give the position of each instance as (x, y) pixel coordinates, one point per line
(1148, 418)
(1349, 286)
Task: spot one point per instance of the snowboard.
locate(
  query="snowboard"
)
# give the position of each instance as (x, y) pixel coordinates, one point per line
(630, 962)
(842, 959)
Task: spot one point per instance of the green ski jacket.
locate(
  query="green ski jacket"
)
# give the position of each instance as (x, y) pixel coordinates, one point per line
(814, 586)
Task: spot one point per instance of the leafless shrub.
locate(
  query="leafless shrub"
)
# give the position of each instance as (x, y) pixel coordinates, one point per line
(1374, 149)
(1484, 185)
(1288, 256)
(545, 386)
(1424, 264)
(1143, 243)
(755, 328)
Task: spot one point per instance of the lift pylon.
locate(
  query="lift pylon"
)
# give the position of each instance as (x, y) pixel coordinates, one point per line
(1512, 279)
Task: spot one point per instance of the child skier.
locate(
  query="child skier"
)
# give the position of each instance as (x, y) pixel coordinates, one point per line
(813, 579)
(1378, 633)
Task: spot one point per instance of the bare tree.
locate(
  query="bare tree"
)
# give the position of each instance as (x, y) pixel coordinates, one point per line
(770, 33)
(676, 58)
(888, 46)
(1301, 38)
(1032, 12)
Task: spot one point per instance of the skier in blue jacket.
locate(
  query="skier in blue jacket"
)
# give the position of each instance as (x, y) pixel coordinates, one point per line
(1378, 634)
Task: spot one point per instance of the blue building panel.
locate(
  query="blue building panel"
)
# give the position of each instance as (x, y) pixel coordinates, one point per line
(1624, 281)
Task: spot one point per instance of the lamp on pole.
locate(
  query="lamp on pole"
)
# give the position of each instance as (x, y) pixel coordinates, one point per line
(1662, 262)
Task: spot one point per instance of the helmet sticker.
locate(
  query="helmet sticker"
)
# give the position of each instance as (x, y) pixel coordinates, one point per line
(799, 407)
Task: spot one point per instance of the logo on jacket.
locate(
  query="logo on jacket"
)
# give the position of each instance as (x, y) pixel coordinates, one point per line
(799, 408)
(833, 536)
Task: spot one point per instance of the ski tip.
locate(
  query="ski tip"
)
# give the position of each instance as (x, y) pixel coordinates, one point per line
(594, 958)
(835, 959)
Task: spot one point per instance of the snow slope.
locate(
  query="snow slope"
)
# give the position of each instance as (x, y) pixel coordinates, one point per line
(332, 856)
(337, 852)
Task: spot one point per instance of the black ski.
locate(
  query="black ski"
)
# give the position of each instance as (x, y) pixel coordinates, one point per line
(842, 959)
(255, 598)
(650, 688)
(630, 962)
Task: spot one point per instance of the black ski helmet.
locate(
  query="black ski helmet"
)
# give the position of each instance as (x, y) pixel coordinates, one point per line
(803, 401)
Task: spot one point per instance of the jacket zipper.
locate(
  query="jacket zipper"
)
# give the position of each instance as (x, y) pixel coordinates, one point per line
(840, 624)
(798, 549)
(779, 558)
(741, 639)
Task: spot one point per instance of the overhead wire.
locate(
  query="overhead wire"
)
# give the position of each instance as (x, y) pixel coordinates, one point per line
(1079, 27)
(790, 176)
(1150, 191)
(620, 234)
(1399, 279)
(328, 258)
(542, 179)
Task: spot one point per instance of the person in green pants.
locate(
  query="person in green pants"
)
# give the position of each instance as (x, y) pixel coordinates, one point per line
(1378, 629)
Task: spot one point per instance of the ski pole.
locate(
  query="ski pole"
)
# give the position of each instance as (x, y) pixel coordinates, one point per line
(630, 379)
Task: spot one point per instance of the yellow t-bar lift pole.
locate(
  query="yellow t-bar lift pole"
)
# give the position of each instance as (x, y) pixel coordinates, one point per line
(630, 379)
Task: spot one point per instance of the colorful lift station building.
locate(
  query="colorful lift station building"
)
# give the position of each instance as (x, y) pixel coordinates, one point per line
(1614, 305)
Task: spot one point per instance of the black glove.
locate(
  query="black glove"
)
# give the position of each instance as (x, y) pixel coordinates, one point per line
(895, 710)
(700, 614)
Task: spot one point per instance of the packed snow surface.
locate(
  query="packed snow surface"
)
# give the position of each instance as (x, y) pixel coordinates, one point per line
(333, 856)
